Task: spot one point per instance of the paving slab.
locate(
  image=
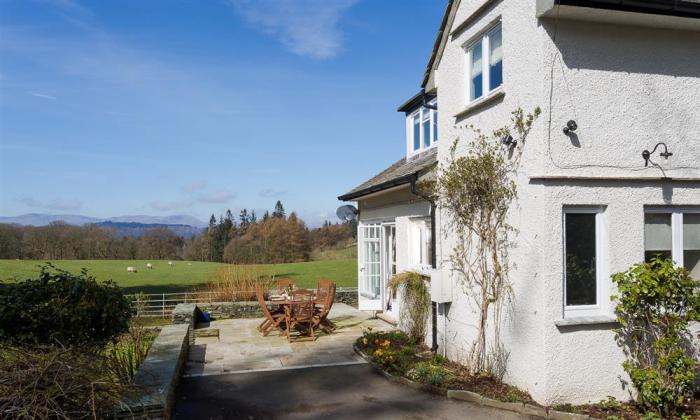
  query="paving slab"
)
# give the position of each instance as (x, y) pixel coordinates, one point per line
(240, 347)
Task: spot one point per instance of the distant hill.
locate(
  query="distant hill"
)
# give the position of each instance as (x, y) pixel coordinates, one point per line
(41, 219)
(38, 219)
(133, 226)
(134, 229)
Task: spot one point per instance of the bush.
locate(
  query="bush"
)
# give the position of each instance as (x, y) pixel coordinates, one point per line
(655, 303)
(52, 382)
(59, 307)
(416, 302)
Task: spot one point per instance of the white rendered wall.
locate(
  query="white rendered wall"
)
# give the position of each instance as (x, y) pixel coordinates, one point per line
(628, 88)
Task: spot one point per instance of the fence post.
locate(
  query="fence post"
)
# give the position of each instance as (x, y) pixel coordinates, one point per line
(163, 305)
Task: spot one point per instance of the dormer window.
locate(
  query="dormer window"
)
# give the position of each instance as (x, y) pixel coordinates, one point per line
(424, 132)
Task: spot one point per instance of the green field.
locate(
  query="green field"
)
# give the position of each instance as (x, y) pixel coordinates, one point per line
(183, 275)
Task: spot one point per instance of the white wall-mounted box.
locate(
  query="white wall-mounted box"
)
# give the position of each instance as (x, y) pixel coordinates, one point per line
(440, 287)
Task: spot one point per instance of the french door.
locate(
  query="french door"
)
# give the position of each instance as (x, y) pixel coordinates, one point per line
(370, 293)
(377, 257)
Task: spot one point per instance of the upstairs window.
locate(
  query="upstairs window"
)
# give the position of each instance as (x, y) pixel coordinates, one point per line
(425, 129)
(485, 64)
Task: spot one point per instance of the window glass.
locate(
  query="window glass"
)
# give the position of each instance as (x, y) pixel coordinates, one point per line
(416, 132)
(477, 78)
(426, 127)
(495, 59)
(691, 243)
(581, 283)
(657, 235)
(435, 125)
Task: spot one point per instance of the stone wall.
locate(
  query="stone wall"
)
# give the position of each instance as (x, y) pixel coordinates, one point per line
(158, 376)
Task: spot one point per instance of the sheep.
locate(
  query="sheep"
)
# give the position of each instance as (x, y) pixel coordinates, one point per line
(131, 270)
(149, 266)
(170, 263)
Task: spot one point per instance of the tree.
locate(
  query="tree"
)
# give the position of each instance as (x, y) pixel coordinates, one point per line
(160, 244)
(476, 190)
(279, 210)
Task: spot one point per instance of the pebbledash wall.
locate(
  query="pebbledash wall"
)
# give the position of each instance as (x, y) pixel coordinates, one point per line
(628, 87)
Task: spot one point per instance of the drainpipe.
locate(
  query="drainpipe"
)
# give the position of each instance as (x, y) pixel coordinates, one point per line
(433, 253)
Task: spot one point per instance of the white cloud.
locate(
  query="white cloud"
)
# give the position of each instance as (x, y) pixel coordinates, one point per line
(170, 205)
(269, 192)
(216, 197)
(64, 205)
(42, 95)
(194, 186)
(30, 202)
(304, 27)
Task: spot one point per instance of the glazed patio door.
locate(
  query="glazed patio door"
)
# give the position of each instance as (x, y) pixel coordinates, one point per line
(370, 238)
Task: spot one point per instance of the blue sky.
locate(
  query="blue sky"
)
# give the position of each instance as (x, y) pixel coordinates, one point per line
(111, 108)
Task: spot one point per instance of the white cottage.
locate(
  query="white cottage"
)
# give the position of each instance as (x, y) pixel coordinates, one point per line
(610, 174)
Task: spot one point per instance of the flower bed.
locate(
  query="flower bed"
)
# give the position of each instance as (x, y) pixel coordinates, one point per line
(613, 409)
(400, 355)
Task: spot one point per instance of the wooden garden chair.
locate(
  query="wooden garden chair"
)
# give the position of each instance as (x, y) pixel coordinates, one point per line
(272, 319)
(325, 296)
(300, 312)
(284, 283)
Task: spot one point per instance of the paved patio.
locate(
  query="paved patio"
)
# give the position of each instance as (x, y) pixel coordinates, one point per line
(235, 345)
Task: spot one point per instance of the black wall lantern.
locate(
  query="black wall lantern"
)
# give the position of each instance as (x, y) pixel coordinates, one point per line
(646, 154)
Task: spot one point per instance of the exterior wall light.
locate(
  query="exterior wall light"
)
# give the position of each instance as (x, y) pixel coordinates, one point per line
(646, 154)
(571, 127)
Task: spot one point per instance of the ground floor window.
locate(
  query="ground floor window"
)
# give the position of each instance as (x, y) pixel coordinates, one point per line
(585, 277)
(673, 233)
(421, 238)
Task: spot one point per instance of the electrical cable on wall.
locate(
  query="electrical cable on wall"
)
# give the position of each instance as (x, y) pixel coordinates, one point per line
(556, 56)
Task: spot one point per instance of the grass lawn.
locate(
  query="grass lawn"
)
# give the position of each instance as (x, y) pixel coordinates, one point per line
(183, 275)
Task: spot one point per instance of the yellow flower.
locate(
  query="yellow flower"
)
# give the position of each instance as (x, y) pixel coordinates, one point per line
(364, 341)
(386, 343)
(378, 353)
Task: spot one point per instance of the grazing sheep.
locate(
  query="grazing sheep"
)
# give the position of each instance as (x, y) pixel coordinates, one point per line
(149, 266)
(170, 263)
(131, 270)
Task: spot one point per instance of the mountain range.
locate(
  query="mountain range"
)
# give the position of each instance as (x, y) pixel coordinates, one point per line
(134, 226)
(42, 219)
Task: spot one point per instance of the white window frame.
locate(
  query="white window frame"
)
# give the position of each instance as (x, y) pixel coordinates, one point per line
(420, 113)
(485, 38)
(603, 283)
(418, 254)
(676, 229)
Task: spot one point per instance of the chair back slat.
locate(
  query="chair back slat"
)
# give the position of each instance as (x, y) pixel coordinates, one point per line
(260, 295)
(284, 283)
(301, 305)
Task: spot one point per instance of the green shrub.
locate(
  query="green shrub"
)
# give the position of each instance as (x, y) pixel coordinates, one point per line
(655, 302)
(428, 373)
(60, 307)
(416, 302)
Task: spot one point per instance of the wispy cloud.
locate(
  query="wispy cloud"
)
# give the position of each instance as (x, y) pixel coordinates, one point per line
(42, 95)
(269, 192)
(71, 204)
(304, 27)
(57, 204)
(30, 202)
(194, 186)
(170, 205)
(217, 197)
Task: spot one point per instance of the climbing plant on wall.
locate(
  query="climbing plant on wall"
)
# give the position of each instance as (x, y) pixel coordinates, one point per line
(476, 188)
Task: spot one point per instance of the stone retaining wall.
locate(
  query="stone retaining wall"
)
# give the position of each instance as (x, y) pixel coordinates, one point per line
(190, 313)
(158, 376)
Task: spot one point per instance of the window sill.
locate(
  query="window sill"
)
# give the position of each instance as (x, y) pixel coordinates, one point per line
(478, 105)
(586, 320)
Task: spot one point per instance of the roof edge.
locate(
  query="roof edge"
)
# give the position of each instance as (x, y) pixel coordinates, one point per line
(406, 179)
(415, 101)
